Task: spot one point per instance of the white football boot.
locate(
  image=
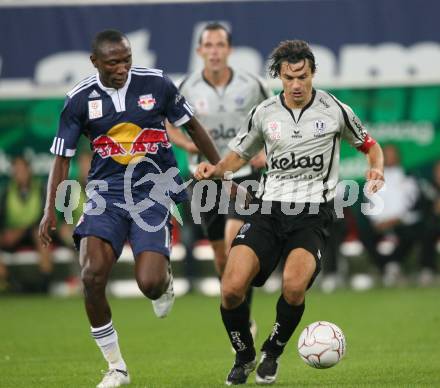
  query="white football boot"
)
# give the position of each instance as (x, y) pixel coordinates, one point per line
(163, 305)
(114, 378)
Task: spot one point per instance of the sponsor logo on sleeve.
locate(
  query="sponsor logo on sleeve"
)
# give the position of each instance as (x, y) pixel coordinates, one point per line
(178, 98)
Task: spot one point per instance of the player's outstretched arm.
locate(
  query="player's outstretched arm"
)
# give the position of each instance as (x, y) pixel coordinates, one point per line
(58, 173)
(229, 164)
(374, 175)
(202, 140)
(223, 170)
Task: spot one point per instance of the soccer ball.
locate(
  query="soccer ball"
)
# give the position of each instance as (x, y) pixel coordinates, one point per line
(321, 344)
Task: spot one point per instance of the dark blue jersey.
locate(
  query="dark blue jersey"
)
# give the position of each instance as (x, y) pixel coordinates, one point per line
(122, 126)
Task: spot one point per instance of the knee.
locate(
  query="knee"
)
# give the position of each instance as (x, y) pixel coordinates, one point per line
(233, 294)
(152, 287)
(293, 290)
(93, 278)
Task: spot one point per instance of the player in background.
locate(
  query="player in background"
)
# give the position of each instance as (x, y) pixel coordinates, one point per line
(300, 130)
(122, 110)
(222, 97)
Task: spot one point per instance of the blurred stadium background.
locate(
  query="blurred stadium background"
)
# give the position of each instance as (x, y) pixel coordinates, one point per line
(382, 57)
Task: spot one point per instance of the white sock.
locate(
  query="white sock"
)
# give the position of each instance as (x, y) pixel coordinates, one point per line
(106, 338)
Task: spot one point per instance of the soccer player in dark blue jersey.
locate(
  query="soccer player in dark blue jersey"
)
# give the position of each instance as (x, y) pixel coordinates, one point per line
(122, 110)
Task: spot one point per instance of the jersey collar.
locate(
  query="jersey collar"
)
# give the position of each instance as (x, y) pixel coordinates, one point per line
(231, 76)
(304, 108)
(110, 91)
(117, 95)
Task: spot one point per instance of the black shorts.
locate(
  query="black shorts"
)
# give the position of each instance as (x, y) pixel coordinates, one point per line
(273, 236)
(214, 220)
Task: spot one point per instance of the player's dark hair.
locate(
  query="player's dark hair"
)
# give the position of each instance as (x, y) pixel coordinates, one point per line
(113, 36)
(291, 51)
(213, 26)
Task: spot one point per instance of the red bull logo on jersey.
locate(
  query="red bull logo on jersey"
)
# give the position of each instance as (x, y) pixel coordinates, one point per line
(146, 102)
(148, 141)
(106, 147)
(126, 141)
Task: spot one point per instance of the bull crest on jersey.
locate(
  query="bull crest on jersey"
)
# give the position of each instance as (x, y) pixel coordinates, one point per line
(146, 102)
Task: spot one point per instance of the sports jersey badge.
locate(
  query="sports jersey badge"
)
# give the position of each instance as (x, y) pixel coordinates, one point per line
(146, 102)
(201, 105)
(319, 127)
(239, 100)
(274, 128)
(95, 109)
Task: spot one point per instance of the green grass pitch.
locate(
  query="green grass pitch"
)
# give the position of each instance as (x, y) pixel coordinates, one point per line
(393, 340)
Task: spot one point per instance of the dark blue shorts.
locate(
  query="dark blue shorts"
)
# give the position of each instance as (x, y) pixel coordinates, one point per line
(150, 230)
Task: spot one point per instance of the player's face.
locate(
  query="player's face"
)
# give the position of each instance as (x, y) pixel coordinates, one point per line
(297, 83)
(113, 62)
(214, 50)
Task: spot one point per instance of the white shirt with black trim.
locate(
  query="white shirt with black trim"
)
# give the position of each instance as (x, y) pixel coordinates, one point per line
(302, 150)
(222, 111)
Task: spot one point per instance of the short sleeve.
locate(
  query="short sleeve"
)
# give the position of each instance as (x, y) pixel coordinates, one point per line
(249, 140)
(178, 110)
(352, 128)
(69, 130)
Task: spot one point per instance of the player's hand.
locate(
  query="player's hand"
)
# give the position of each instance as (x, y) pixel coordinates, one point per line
(204, 170)
(375, 180)
(47, 225)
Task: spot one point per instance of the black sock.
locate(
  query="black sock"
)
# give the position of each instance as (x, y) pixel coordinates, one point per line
(287, 320)
(249, 295)
(236, 322)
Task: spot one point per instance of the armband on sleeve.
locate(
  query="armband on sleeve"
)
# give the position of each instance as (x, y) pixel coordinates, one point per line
(367, 144)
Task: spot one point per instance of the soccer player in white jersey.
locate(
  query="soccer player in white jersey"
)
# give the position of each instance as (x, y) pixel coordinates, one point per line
(222, 97)
(300, 130)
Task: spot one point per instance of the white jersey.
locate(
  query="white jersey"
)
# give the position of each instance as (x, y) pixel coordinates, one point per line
(302, 151)
(222, 111)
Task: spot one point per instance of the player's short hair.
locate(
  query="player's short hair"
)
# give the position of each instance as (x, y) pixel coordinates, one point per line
(213, 26)
(113, 36)
(291, 51)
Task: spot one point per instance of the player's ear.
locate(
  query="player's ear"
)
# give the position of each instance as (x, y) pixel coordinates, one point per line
(93, 59)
